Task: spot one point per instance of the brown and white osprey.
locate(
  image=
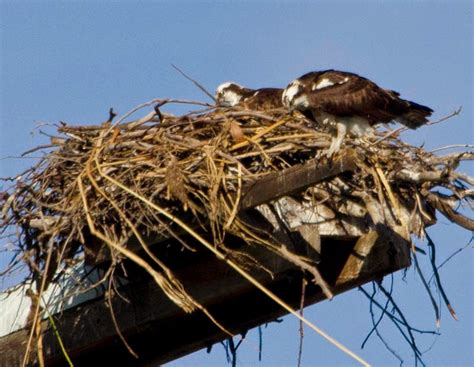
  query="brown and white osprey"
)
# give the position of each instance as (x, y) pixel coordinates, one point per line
(350, 103)
(232, 94)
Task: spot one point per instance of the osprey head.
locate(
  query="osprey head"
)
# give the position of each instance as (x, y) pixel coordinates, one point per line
(229, 94)
(294, 96)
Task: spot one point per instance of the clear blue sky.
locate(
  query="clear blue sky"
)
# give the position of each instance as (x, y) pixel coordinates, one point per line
(71, 61)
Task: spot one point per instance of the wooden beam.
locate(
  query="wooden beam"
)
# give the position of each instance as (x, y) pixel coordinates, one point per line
(159, 331)
(295, 179)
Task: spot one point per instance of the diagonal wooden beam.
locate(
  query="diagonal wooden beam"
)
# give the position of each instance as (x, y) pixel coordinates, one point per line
(295, 179)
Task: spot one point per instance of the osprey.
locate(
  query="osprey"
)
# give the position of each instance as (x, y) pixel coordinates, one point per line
(232, 94)
(350, 103)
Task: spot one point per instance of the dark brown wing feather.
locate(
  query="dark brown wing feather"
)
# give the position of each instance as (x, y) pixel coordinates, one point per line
(353, 95)
(356, 97)
(263, 99)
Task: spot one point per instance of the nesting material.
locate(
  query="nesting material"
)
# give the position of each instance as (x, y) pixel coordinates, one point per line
(168, 175)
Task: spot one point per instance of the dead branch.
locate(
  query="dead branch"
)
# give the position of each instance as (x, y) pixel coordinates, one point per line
(445, 208)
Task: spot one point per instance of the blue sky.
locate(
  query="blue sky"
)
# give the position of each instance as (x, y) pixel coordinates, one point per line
(72, 61)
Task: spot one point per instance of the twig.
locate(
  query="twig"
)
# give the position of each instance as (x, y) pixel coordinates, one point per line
(258, 135)
(195, 83)
(58, 337)
(158, 112)
(301, 328)
(404, 128)
(405, 323)
(37, 309)
(459, 250)
(389, 134)
(235, 207)
(432, 247)
(375, 324)
(455, 113)
(249, 113)
(452, 146)
(384, 310)
(112, 115)
(428, 290)
(40, 147)
(149, 103)
(445, 209)
(231, 349)
(397, 322)
(114, 320)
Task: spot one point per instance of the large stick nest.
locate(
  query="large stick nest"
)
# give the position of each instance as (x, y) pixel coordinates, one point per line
(164, 175)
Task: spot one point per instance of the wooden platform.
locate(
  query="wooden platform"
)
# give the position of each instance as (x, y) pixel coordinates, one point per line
(159, 331)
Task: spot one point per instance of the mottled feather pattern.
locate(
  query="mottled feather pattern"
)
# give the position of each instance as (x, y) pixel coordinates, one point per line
(353, 95)
(231, 94)
(339, 93)
(264, 99)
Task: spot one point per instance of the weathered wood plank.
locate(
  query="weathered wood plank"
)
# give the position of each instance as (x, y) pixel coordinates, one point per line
(294, 179)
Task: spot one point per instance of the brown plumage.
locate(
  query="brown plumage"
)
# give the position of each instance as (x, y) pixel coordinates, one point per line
(231, 94)
(346, 94)
(351, 103)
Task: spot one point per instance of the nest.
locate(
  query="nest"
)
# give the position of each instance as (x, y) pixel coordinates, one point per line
(172, 175)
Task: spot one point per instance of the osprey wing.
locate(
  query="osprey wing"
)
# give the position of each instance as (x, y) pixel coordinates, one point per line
(347, 94)
(264, 99)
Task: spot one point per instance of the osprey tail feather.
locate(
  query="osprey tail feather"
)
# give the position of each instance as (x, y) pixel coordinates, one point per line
(416, 116)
